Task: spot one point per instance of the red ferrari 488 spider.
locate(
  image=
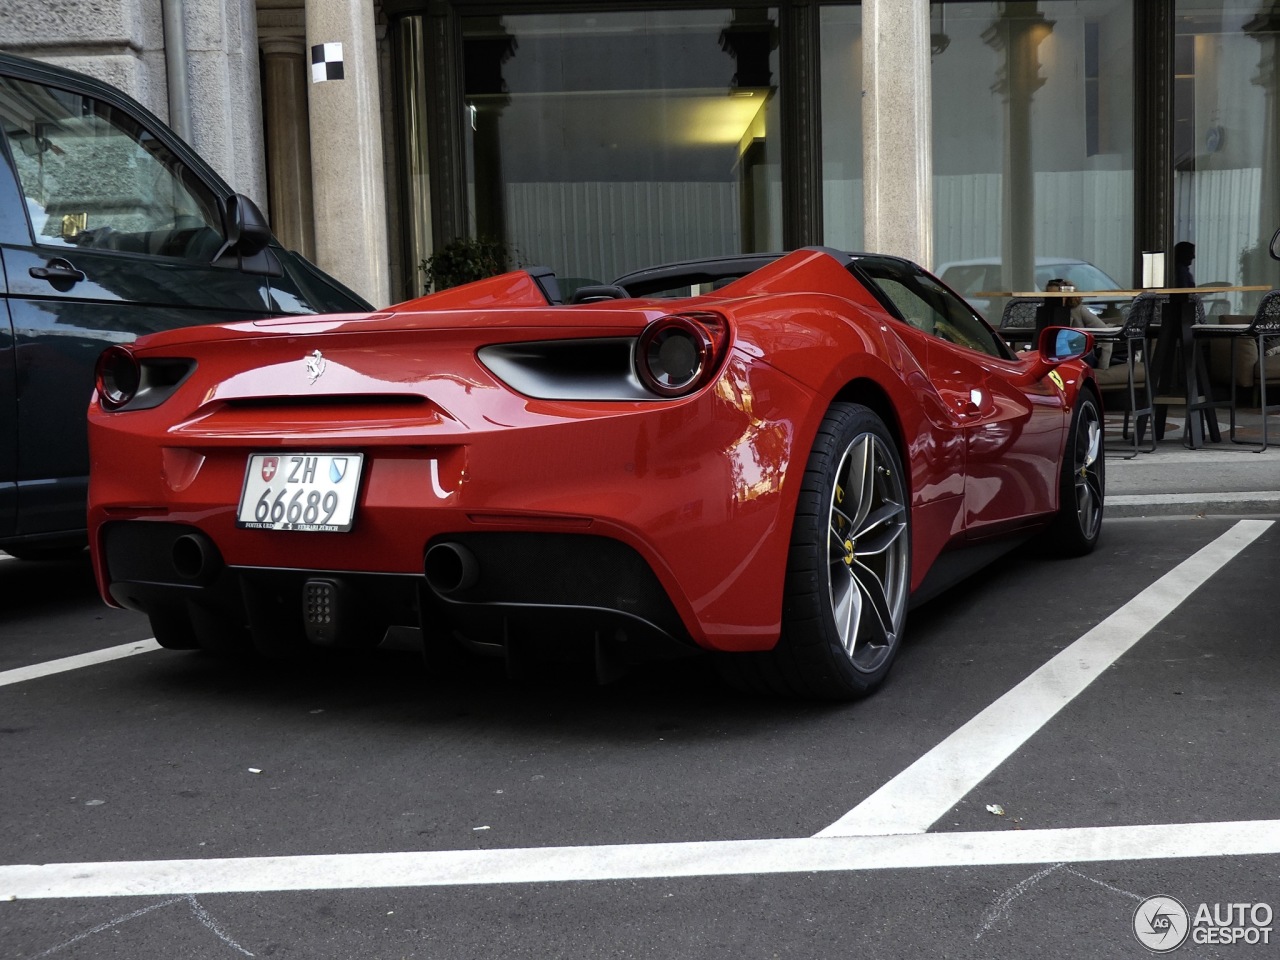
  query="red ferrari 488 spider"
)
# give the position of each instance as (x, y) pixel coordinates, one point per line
(767, 457)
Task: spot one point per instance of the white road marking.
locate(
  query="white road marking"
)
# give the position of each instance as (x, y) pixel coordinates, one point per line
(151, 878)
(959, 763)
(36, 670)
(914, 800)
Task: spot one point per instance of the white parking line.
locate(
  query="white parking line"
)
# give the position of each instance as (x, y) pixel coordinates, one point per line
(912, 801)
(884, 832)
(150, 878)
(36, 670)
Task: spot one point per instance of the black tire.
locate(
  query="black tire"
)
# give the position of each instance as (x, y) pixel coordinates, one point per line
(1083, 484)
(848, 575)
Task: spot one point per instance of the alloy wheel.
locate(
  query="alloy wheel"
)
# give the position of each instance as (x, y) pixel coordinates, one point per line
(867, 565)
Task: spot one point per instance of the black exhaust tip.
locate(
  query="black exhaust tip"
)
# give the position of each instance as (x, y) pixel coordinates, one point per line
(194, 557)
(450, 567)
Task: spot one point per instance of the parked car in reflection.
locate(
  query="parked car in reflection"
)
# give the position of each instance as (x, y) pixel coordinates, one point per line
(110, 227)
(986, 274)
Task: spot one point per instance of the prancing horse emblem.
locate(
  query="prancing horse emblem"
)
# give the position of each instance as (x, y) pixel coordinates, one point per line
(315, 366)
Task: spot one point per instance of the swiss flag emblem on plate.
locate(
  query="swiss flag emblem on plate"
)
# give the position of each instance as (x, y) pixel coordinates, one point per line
(269, 467)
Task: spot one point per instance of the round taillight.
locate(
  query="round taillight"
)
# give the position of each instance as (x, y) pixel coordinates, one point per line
(677, 354)
(117, 377)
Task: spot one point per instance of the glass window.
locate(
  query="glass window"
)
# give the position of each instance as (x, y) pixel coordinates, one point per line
(93, 177)
(927, 305)
(1227, 116)
(1032, 139)
(605, 142)
(841, 73)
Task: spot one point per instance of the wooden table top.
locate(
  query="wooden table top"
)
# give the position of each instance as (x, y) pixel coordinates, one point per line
(1115, 294)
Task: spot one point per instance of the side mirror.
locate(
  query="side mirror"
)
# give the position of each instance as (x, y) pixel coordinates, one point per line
(1064, 343)
(1275, 245)
(1056, 345)
(244, 227)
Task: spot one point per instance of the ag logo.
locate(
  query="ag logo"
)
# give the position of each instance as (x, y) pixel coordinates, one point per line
(1161, 924)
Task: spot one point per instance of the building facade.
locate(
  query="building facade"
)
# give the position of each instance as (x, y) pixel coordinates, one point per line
(597, 138)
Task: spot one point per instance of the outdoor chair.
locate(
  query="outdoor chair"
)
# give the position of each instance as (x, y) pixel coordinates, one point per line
(1265, 325)
(1133, 336)
(1018, 322)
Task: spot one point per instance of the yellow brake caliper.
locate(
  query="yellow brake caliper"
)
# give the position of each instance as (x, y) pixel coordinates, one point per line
(848, 544)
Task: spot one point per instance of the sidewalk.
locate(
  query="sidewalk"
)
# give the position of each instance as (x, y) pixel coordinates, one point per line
(1218, 479)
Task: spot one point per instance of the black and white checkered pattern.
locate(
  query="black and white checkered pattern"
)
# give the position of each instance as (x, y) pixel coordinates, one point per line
(326, 62)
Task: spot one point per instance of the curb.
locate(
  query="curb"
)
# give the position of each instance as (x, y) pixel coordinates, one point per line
(1192, 504)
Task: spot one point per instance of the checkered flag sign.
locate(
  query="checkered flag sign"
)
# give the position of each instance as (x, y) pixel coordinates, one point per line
(326, 62)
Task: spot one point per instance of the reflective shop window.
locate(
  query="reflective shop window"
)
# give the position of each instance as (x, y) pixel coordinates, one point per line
(600, 143)
(94, 177)
(1226, 176)
(1032, 144)
(841, 81)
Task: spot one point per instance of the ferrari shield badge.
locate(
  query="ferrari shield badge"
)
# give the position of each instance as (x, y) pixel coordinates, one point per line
(1053, 375)
(315, 366)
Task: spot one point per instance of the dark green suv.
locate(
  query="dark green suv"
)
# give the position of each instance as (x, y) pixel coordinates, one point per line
(110, 227)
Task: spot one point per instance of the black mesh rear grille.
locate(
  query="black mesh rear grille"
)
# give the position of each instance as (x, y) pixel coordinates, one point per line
(571, 570)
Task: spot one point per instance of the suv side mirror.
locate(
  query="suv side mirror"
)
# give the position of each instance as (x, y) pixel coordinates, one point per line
(244, 227)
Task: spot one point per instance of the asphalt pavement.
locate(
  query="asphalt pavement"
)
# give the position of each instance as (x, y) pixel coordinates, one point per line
(1217, 479)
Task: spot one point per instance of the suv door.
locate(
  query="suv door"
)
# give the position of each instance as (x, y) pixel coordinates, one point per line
(117, 235)
(8, 390)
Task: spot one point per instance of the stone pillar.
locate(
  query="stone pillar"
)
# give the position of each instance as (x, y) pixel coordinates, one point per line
(346, 149)
(226, 99)
(897, 128)
(284, 96)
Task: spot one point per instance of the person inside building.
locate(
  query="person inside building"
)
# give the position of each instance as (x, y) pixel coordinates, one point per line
(1081, 316)
(1184, 254)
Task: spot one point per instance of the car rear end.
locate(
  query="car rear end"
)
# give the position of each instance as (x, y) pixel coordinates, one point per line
(567, 474)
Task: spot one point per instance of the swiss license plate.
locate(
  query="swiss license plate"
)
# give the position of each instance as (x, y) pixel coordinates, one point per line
(310, 492)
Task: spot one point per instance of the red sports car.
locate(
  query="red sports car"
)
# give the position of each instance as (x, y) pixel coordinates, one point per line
(766, 457)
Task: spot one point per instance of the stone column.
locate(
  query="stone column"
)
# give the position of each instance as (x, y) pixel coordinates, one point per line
(346, 148)
(897, 128)
(284, 96)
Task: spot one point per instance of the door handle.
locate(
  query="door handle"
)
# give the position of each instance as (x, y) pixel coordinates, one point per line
(57, 270)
